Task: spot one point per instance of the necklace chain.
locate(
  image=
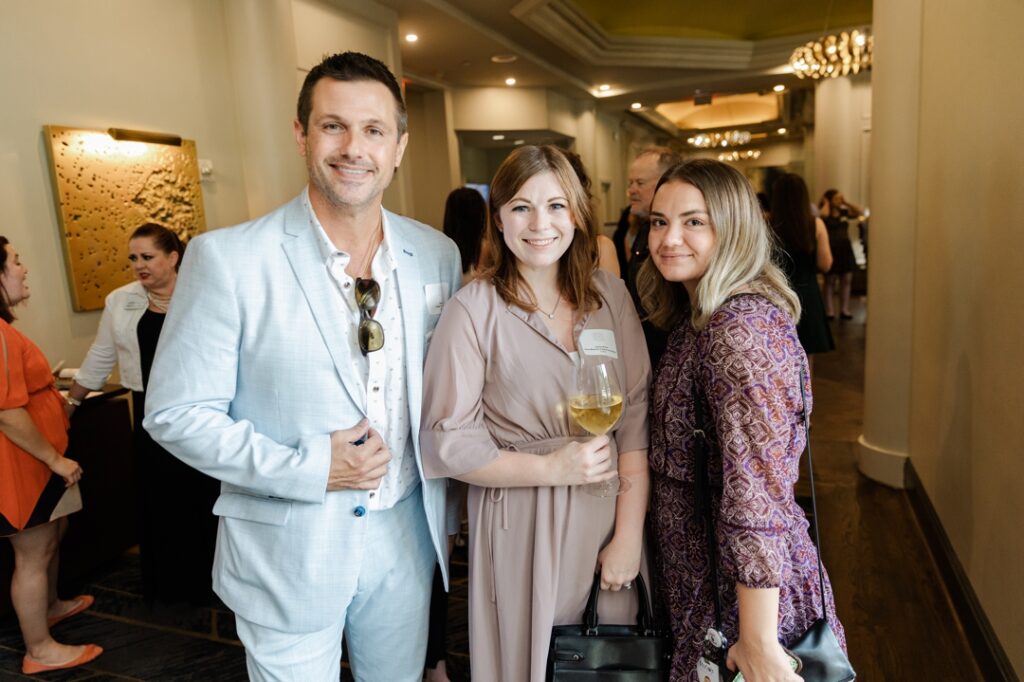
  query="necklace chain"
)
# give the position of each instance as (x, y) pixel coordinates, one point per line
(551, 315)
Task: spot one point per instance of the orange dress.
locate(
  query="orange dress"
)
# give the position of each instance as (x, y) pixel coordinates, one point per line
(30, 494)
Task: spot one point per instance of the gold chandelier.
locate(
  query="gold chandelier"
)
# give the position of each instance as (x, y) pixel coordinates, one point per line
(728, 138)
(832, 56)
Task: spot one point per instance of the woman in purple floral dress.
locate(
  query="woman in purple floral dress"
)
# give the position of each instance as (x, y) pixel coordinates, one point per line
(711, 279)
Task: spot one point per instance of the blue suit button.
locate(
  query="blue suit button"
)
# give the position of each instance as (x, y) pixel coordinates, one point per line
(359, 511)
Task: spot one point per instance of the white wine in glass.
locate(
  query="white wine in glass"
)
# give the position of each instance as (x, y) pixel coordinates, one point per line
(596, 405)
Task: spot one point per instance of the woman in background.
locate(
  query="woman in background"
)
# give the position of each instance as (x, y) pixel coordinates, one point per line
(835, 212)
(607, 255)
(733, 369)
(498, 375)
(804, 253)
(38, 484)
(178, 529)
(465, 218)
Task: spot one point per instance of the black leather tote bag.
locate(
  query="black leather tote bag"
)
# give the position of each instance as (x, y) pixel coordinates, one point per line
(593, 652)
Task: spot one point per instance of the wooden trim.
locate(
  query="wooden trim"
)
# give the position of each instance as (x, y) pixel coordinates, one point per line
(988, 652)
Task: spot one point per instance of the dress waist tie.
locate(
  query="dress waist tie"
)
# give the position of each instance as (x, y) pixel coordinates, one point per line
(500, 495)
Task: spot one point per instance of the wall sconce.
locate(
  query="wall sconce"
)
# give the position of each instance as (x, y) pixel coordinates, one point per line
(123, 134)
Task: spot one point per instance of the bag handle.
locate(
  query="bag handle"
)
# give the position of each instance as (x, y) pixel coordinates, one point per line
(644, 621)
(703, 496)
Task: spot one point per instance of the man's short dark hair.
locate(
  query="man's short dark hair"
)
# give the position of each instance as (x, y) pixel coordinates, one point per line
(351, 66)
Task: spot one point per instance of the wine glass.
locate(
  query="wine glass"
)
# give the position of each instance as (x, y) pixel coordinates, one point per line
(596, 404)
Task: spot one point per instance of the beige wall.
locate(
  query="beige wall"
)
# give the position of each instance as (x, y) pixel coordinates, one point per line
(163, 66)
(324, 27)
(432, 155)
(959, 244)
(143, 64)
(842, 133)
(966, 426)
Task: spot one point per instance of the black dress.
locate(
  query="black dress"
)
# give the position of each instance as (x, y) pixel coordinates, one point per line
(843, 260)
(178, 530)
(801, 270)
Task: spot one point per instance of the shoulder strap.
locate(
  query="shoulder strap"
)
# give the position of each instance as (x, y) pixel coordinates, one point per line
(814, 500)
(703, 496)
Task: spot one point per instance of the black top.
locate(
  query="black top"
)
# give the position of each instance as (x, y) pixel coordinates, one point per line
(148, 331)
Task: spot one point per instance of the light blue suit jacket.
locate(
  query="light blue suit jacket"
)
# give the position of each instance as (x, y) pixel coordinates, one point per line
(252, 374)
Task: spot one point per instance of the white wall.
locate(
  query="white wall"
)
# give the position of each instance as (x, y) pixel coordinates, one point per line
(142, 64)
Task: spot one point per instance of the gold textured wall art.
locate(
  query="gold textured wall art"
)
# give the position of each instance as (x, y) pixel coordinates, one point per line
(105, 188)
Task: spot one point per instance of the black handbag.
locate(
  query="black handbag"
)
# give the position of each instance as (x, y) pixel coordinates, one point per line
(821, 657)
(594, 652)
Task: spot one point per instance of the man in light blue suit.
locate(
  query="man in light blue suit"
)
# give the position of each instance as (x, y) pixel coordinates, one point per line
(289, 368)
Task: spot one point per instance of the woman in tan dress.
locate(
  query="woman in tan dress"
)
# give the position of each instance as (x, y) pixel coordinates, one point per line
(497, 378)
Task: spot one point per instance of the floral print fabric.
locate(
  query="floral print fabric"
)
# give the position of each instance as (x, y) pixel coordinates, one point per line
(748, 364)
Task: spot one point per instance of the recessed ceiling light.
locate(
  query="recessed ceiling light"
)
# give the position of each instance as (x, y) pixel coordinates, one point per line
(497, 138)
(636, 105)
(782, 131)
(517, 142)
(604, 87)
(503, 58)
(779, 88)
(510, 81)
(411, 37)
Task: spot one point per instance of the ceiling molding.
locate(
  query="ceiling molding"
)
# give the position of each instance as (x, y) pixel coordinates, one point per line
(511, 45)
(564, 24)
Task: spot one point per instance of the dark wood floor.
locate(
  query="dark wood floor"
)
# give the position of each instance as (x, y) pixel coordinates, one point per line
(898, 618)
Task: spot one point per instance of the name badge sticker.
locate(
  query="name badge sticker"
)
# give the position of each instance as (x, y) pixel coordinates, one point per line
(435, 295)
(707, 671)
(599, 342)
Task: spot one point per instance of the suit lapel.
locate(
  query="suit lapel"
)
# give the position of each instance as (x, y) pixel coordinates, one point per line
(307, 263)
(410, 293)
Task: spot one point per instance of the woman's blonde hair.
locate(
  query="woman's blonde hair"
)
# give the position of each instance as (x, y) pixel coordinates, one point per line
(579, 262)
(742, 258)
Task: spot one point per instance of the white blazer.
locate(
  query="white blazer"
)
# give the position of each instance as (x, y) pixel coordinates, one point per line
(251, 376)
(117, 340)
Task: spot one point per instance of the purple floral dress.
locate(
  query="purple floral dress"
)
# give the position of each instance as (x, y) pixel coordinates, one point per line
(747, 362)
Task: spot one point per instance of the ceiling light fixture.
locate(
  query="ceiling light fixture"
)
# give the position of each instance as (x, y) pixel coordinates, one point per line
(411, 37)
(510, 81)
(728, 138)
(518, 142)
(746, 155)
(604, 87)
(779, 88)
(497, 138)
(832, 56)
(504, 58)
(636, 105)
(781, 131)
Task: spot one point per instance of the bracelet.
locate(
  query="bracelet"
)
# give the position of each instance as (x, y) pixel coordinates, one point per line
(73, 402)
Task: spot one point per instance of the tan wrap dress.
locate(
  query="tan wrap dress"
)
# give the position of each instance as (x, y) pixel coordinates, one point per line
(497, 379)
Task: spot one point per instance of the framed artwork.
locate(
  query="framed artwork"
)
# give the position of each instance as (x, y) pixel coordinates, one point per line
(106, 184)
